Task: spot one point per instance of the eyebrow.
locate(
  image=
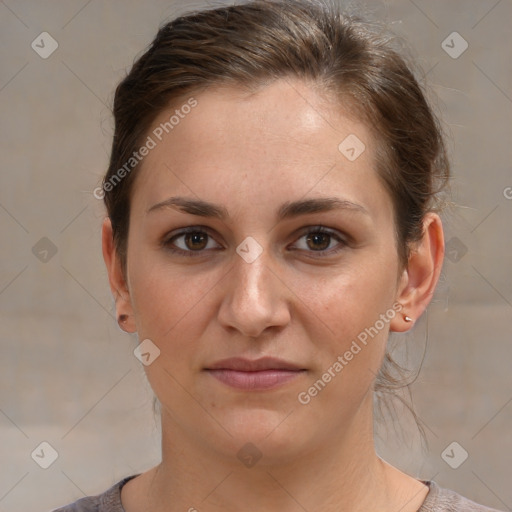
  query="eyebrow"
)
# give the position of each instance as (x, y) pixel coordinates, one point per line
(286, 211)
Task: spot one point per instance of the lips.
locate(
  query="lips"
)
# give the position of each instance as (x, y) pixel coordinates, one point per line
(253, 365)
(257, 374)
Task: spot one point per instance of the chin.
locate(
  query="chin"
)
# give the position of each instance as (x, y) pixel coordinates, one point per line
(259, 433)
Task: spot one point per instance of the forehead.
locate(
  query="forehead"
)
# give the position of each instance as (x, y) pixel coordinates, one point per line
(248, 148)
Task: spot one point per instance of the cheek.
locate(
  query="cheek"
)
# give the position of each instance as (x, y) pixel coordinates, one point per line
(346, 325)
(167, 300)
(346, 303)
(172, 310)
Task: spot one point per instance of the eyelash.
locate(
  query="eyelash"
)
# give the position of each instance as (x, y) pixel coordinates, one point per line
(167, 242)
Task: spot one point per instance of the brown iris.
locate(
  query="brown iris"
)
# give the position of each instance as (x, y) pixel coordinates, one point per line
(196, 241)
(316, 238)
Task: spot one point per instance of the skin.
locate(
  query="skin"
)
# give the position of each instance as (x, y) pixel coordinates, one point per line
(250, 153)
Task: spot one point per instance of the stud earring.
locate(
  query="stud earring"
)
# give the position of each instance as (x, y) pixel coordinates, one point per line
(407, 318)
(121, 319)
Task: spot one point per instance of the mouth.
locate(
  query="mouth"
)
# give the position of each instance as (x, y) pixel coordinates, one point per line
(258, 374)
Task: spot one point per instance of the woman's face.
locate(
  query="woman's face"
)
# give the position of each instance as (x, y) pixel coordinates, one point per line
(252, 178)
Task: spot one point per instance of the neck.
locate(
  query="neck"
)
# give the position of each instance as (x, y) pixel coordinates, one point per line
(344, 474)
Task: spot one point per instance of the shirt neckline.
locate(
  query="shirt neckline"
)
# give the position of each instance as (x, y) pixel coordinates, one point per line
(113, 495)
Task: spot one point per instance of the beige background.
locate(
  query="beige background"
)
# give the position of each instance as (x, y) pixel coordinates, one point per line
(67, 373)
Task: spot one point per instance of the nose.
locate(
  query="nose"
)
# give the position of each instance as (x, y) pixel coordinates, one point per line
(254, 297)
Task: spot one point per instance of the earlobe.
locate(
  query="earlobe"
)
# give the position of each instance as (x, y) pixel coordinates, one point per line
(419, 279)
(118, 286)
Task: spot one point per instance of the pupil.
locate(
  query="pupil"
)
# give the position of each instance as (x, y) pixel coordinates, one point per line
(318, 238)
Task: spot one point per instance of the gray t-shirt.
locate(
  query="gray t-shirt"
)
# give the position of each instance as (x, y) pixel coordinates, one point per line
(438, 500)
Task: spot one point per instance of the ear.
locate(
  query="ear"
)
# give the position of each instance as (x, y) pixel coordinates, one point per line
(116, 279)
(419, 279)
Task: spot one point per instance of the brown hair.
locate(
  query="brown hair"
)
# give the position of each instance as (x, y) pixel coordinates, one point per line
(252, 44)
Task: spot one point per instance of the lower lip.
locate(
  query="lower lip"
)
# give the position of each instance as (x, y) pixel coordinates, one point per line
(258, 380)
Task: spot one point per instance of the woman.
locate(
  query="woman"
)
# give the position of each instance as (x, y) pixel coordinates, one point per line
(272, 202)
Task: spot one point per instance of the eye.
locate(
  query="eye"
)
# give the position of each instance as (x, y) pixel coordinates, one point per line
(196, 240)
(320, 240)
(190, 242)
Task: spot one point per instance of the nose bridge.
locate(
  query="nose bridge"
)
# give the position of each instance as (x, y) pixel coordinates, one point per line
(251, 289)
(252, 298)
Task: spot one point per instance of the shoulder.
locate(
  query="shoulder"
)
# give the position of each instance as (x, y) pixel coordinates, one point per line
(445, 500)
(109, 501)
